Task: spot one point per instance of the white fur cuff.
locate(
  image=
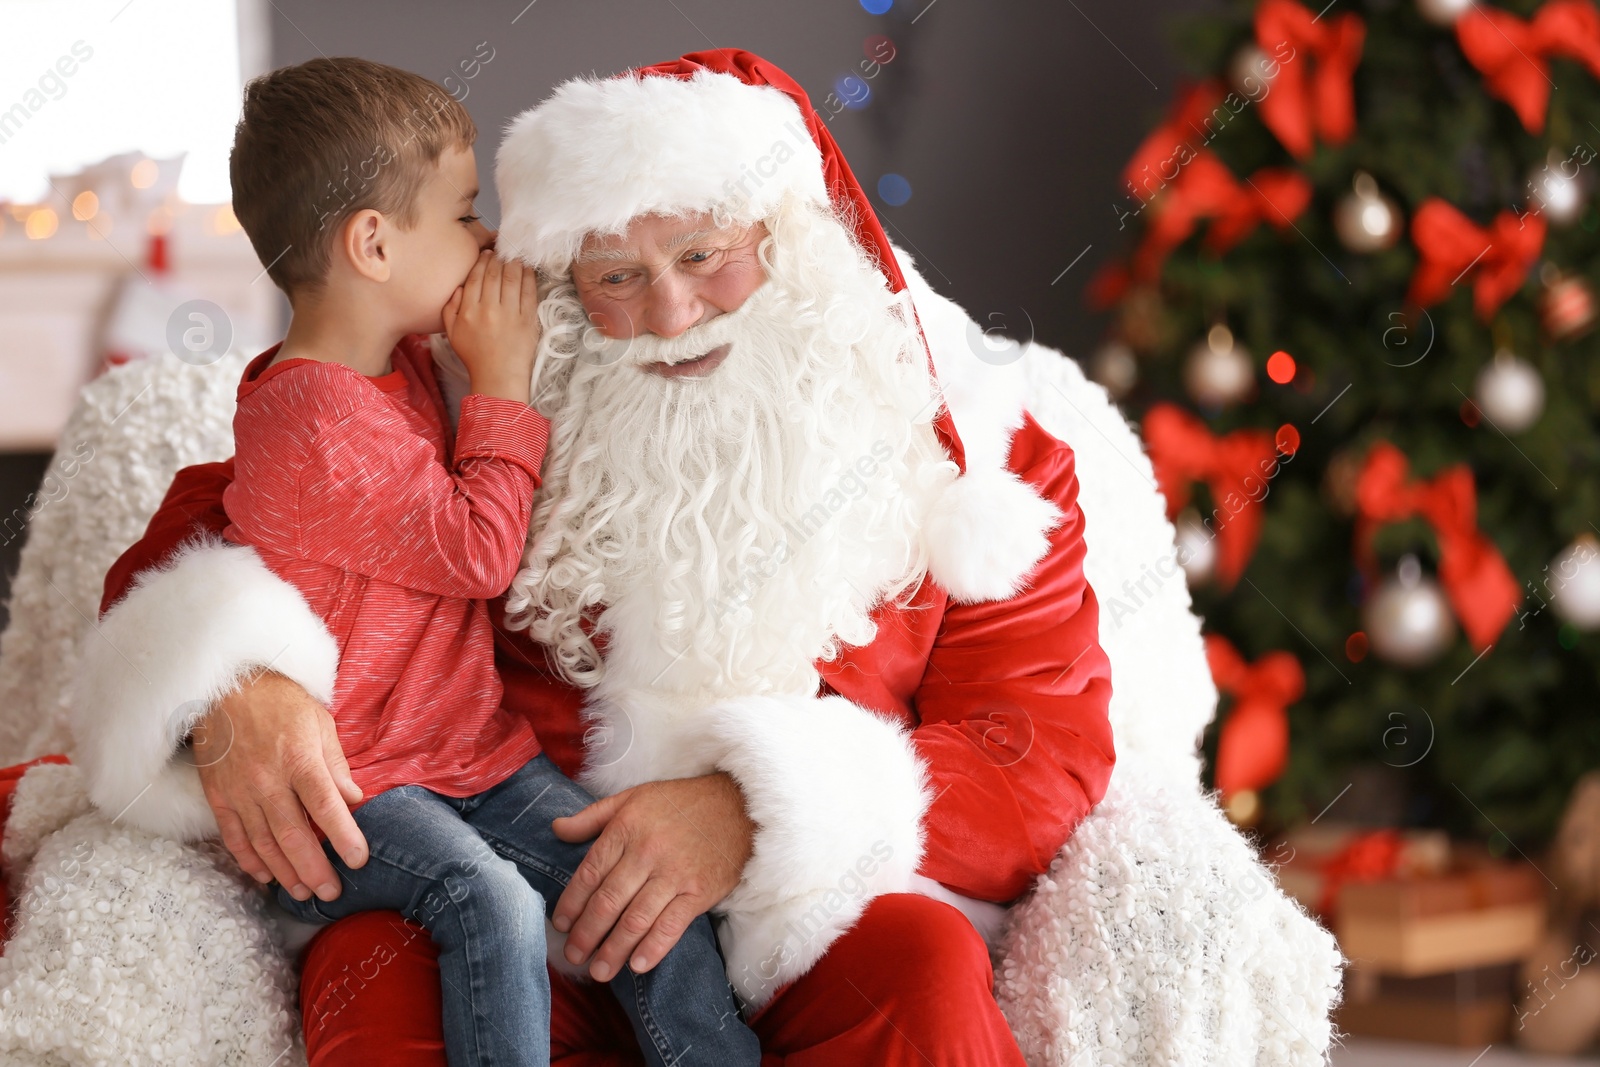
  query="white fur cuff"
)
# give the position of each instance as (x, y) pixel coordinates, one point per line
(181, 638)
(838, 794)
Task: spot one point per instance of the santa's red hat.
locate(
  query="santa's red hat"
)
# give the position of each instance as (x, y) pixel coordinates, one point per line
(721, 129)
(727, 131)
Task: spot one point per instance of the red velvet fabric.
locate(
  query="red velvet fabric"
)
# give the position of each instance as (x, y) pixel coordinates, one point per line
(909, 982)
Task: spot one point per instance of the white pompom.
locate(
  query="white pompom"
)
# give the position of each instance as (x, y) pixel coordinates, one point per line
(985, 533)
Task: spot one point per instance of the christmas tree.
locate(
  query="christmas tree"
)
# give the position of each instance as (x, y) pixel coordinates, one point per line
(1354, 317)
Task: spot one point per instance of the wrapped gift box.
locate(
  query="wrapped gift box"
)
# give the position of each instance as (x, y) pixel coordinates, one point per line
(1476, 914)
(1467, 1008)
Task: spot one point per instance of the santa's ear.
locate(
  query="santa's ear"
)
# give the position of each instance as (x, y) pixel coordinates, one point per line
(985, 533)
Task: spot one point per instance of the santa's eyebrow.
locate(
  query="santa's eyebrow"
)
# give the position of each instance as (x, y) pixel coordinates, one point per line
(613, 255)
(606, 255)
(685, 238)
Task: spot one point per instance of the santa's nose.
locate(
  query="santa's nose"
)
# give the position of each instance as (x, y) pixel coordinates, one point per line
(673, 306)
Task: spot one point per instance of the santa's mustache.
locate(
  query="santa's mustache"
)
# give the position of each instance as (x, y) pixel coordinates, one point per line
(646, 348)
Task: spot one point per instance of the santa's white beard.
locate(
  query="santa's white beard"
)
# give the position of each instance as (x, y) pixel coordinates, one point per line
(739, 527)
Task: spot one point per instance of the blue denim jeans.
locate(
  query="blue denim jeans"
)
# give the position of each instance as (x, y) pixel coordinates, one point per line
(481, 873)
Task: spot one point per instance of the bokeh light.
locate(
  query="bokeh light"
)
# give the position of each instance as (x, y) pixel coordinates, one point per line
(41, 223)
(894, 189)
(1280, 367)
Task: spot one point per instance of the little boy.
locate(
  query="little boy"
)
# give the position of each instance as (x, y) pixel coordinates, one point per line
(355, 183)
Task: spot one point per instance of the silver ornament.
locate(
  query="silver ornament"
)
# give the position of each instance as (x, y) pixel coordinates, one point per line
(1510, 393)
(1365, 219)
(1218, 371)
(1408, 619)
(1197, 548)
(1555, 194)
(1443, 12)
(1574, 583)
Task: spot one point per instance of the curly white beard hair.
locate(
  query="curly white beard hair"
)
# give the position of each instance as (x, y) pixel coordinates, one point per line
(726, 532)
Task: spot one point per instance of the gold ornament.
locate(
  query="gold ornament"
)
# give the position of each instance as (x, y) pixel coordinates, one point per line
(1244, 807)
(1252, 71)
(1114, 367)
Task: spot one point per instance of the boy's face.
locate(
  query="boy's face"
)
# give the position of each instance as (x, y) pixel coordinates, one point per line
(433, 257)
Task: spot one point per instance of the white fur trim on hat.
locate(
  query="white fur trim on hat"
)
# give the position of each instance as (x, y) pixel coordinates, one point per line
(601, 152)
(985, 534)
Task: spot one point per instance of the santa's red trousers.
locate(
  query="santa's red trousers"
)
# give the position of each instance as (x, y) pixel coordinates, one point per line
(908, 984)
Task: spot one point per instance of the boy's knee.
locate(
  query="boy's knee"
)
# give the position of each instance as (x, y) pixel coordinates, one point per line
(492, 892)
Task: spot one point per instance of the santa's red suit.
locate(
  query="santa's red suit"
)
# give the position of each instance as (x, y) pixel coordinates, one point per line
(1004, 703)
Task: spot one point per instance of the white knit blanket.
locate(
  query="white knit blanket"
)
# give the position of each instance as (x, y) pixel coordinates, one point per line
(1156, 938)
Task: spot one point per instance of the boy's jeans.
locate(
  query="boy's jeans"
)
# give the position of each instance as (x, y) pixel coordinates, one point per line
(481, 873)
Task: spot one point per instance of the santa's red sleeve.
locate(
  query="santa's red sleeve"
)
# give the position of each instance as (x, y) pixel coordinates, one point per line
(185, 618)
(1014, 726)
(192, 507)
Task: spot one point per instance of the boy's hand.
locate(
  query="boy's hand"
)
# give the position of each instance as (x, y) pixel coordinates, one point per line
(492, 322)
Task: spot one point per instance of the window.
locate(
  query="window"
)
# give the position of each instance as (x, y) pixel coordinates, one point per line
(81, 80)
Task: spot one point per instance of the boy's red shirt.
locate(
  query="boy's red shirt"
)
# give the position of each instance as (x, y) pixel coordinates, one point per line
(353, 489)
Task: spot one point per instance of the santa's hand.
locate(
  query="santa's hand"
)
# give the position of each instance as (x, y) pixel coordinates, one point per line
(667, 853)
(268, 754)
(492, 322)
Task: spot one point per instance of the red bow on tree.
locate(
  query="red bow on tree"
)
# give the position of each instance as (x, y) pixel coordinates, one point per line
(1173, 143)
(1313, 87)
(1450, 244)
(1206, 189)
(1253, 747)
(1235, 467)
(1475, 577)
(1511, 54)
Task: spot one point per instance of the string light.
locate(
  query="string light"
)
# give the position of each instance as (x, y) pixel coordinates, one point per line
(42, 222)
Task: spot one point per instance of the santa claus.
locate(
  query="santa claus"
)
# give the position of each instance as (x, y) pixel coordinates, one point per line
(832, 665)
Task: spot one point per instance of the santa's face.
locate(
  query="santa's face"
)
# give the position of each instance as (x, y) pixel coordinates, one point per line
(727, 528)
(661, 278)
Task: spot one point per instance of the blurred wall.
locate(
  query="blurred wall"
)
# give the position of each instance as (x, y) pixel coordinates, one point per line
(1010, 120)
